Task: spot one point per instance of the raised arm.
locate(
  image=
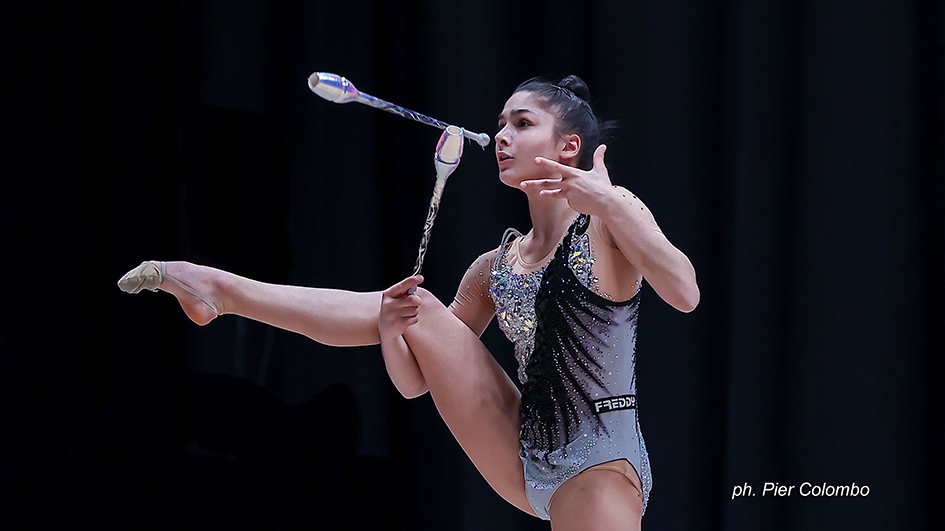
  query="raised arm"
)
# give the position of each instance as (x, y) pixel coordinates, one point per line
(633, 230)
(629, 224)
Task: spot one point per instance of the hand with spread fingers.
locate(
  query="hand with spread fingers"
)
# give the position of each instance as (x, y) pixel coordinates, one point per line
(585, 190)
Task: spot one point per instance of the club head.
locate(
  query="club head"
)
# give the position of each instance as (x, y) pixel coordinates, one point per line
(449, 150)
(332, 87)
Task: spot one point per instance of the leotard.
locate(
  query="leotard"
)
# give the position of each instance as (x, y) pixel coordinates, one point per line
(576, 355)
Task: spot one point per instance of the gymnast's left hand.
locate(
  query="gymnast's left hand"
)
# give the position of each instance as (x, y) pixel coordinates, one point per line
(586, 191)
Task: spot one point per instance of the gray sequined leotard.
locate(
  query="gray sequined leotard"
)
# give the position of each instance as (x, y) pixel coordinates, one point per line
(576, 362)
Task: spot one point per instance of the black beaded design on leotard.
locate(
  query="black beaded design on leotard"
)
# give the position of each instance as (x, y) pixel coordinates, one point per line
(572, 327)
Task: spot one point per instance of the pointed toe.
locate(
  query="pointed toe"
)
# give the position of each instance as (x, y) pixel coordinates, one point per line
(145, 276)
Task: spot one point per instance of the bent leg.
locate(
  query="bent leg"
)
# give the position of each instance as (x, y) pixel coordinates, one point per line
(473, 394)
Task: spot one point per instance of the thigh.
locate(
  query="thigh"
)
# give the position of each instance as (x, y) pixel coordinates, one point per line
(598, 499)
(473, 394)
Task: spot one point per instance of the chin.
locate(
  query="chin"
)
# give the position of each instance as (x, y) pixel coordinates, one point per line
(508, 178)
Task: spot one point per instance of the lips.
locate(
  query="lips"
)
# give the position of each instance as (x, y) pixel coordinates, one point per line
(503, 157)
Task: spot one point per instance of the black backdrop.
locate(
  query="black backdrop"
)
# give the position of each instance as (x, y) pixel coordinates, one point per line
(794, 150)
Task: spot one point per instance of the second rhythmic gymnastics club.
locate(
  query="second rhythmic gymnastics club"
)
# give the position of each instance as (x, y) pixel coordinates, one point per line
(336, 88)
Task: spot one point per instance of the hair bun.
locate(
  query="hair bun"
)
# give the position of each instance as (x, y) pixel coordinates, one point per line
(577, 86)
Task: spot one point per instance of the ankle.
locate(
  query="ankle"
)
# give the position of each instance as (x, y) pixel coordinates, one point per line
(195, 288)
(219, 285)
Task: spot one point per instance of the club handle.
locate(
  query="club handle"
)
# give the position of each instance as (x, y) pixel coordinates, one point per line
(338, 89)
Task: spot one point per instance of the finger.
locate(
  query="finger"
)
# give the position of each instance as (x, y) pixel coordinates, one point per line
(401, 288)
(554, 192)
(541, 184)
(400, 304)
(556, 166)
(412, 305)
(599, 155)
(403, 305)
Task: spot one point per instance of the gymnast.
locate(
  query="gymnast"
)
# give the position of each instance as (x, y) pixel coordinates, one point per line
(568, 447)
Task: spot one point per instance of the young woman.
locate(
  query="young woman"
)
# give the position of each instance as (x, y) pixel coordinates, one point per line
(566, 293)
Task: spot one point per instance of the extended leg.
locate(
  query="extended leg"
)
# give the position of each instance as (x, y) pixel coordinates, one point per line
(329, 316)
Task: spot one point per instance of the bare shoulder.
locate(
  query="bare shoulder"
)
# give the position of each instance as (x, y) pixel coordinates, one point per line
(632, 199)
(633, 205)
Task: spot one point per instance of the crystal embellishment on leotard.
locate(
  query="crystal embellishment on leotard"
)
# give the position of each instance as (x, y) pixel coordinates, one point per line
(514, 297)
(514, 294)
(582, 260)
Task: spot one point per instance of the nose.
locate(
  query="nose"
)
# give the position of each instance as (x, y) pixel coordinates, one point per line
(502, 137)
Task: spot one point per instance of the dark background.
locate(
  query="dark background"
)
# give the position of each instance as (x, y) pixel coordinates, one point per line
(793, 149)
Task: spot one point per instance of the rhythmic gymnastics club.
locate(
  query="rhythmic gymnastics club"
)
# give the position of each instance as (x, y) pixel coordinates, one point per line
(336, 88)
(449, 150)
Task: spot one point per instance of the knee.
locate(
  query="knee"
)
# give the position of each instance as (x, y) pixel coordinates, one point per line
(428, 301)
(430, 316)
(425, 295)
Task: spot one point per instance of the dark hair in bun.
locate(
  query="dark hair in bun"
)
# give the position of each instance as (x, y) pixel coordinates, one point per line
(570, 98)
(577, 86)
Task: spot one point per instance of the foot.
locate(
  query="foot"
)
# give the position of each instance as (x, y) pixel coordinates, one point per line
(193, 286)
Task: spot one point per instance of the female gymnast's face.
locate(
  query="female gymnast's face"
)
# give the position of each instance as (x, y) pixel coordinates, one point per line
(526, 131)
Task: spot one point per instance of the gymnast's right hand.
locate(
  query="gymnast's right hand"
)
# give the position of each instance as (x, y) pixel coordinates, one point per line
(399, 308)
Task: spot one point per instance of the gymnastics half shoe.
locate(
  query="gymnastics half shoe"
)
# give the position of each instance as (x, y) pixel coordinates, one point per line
(150, 276)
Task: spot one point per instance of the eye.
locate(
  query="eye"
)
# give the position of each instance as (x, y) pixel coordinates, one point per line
(523, 123)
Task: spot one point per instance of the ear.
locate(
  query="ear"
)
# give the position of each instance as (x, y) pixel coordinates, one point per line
(571, 149)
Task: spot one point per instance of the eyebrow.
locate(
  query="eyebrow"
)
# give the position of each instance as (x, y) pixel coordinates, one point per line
(515, 112)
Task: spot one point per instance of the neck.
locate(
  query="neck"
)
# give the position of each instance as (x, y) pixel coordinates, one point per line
(550, 220)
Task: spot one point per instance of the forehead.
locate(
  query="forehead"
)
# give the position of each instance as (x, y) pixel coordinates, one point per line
(522, 102)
